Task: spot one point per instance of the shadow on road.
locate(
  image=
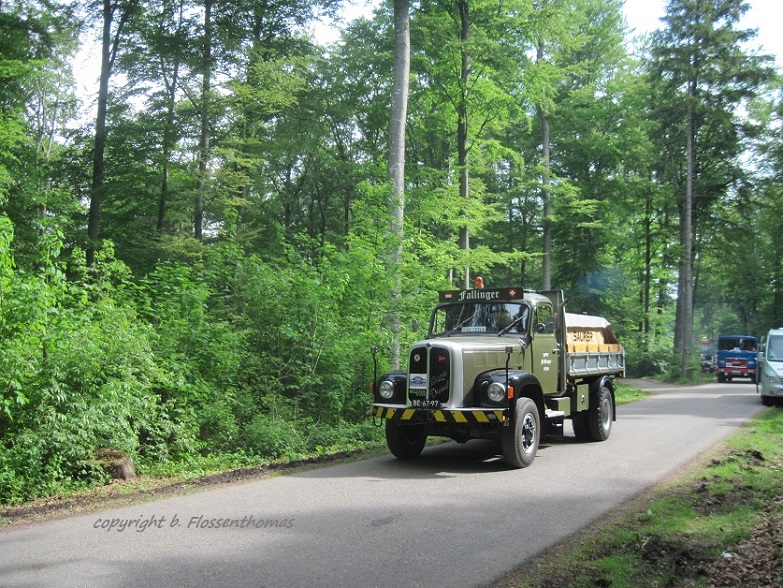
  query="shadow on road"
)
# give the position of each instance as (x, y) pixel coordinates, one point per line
(444, 459)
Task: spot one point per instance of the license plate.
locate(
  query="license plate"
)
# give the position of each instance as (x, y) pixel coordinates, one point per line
(425, 403)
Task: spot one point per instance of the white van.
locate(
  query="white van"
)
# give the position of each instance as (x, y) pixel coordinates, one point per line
(770, 382)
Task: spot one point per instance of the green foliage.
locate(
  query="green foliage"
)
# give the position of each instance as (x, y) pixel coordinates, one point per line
(647, 359)
(308, 332)
(78, 374)
(253, 342)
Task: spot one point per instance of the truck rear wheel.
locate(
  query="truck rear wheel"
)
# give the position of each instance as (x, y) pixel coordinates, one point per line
(404, 441)
(600, 416)
(595, 423)
(520, 439)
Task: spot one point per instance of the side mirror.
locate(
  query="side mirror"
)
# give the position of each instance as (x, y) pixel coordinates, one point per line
(414, 326)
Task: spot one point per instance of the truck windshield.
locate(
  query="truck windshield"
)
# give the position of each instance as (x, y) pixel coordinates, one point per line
(775, 349)
(479, 317)
(737, 344)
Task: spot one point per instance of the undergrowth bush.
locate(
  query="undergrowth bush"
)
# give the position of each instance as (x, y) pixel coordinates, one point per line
(89, 382)
(646, 359)
(227, 360)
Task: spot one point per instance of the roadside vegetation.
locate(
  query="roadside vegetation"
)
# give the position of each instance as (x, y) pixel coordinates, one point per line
(720, 525)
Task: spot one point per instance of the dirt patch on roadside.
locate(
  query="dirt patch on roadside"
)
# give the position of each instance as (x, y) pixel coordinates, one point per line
(756, 562)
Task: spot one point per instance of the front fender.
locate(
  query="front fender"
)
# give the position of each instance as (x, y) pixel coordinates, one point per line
(400, 380)
(519, 380)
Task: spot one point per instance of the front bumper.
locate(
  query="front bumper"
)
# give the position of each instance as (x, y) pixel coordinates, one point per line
(402, 412)
(772, 387)
(737, 371)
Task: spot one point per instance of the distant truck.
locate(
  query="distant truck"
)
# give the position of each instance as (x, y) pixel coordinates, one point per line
(737, 357)
(503, 364)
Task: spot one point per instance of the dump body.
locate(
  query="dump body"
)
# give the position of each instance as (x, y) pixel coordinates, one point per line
(591, 347)
(497, 358)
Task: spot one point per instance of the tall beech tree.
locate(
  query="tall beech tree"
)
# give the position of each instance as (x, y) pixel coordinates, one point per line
(37, 103)
(396, 173)
(115, 16)
(469, 49)
(699, 61)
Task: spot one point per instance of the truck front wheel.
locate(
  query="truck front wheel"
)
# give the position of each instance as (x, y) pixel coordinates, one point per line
(520, 439)
(405, 442)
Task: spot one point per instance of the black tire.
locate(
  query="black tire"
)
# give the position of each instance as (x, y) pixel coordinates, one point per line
(595, 424)
(721, 378)
(404, 441)
(521, 438)
(600, 416)
(766, 400)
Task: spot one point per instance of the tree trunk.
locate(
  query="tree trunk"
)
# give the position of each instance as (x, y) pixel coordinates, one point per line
(168, 140)
(109, 49)
(203, 146)
(100, 133)
(684, 331)
(648, 259)
(396, 173)
(546, 269)
(462, 132)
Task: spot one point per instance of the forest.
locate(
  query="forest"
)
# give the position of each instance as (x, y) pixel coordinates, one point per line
(198, 253)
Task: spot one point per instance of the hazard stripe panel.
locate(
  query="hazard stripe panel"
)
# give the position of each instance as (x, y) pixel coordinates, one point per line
(440, 416)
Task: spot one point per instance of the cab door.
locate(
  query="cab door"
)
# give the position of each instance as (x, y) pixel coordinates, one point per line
(545, 349)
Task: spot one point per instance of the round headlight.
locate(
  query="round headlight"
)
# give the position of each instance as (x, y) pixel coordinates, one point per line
(386, 389)
(496, 392)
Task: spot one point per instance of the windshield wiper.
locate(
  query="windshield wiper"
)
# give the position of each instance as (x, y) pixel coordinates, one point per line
(511, 325)
(459, 326)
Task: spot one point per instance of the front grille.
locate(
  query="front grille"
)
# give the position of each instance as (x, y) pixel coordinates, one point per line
(429, 376)
(440, 368)
(738, 363)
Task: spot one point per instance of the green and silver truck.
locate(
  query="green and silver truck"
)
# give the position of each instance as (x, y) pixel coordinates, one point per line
(505, 364)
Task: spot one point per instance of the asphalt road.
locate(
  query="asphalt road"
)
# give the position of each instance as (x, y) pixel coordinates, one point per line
(455, 517)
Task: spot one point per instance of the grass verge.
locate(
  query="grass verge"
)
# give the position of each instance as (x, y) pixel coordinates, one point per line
(718, 525)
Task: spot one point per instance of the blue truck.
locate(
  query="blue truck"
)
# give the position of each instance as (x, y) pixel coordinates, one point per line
(737, 357)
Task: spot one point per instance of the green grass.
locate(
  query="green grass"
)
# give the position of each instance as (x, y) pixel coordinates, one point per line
(625, 394)
(673, 536)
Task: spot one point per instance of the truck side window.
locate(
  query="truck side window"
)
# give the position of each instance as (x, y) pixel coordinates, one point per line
(545, 320)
